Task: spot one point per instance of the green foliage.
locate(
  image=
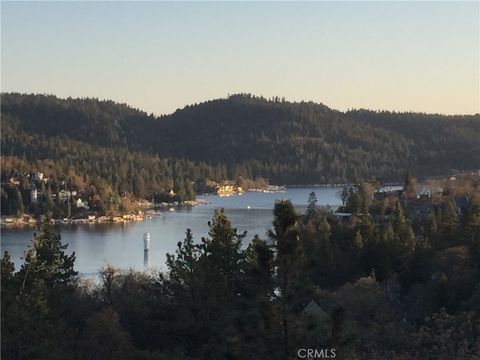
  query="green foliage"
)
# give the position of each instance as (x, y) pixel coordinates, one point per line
(243, 135)
(34, 300)
(104, 337)
(48, 261)
(311, 204)
(373, 287)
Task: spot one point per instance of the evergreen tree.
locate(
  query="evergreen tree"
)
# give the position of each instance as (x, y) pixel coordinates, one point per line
(48, 261)
(288, 266)
(186, 284)
(8, 299)
(179, 189)
(402, 229)
(18, 204)
(471, 229)
(46, 280)
(68, 208)
(311, 204)
(104, 337)
(222, 252)
(364, 198)
(409, 187)
(7, 268)
(5, 202)
(189, 191)
(344, 195)
(449, 220)
(49, 200)
(431, 228)
(223, 267)
(258, 323)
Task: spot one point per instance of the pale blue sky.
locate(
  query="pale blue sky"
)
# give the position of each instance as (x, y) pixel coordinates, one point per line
(159, 56)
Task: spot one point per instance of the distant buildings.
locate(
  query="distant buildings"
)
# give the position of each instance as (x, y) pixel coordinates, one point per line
(227, 190)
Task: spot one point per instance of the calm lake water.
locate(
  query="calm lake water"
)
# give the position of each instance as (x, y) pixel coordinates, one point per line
(121, 245)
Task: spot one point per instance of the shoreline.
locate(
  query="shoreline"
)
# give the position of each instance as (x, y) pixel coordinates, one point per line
(148, 209)
(29, 221)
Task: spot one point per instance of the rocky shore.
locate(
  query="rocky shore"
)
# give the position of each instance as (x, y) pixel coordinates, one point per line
(26, 220)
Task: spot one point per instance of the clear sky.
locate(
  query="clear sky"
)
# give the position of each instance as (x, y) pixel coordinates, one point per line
(159, 56)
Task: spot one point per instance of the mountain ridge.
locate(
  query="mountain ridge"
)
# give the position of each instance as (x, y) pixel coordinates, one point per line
(287, 142)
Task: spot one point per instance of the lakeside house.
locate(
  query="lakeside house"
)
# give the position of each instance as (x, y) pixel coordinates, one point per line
(227, 190)
(82, 204)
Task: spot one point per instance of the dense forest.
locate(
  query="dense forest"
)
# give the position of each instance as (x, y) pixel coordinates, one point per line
(390, 275)
(393, 280)
(243, 135)
(109, 153)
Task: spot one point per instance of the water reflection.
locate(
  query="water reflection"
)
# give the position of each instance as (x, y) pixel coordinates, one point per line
(146, 264)
(120, 244)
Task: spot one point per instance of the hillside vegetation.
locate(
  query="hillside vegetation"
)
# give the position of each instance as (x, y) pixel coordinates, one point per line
(243, 135)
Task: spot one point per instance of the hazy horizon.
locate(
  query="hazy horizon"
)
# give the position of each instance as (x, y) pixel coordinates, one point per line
(162, 56)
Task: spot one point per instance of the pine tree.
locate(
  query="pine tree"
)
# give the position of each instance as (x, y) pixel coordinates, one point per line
(7, 268)
(364, 198)
(9, 293)
(48, 261)
(431, 228)
(258, 322)
(402, 229)
(18, 207)
(222, 248)
(344, 194)
(68, 208)
(179, 189)
(189, 191)
(104, 337)
(49, 200)
(409, 187)
(311, 204)
(42, 289)
(183, 266)
(288, 265)
(222, 268)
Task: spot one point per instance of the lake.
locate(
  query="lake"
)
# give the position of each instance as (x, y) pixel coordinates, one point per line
(121, 245)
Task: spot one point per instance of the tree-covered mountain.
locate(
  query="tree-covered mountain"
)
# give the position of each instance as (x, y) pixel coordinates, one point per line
(244, 135)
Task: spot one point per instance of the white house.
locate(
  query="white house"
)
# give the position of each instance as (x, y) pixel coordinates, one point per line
(82, 204)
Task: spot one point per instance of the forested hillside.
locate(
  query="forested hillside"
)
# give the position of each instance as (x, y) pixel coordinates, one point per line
(243, 135)
(397, 279)
(394, 274)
